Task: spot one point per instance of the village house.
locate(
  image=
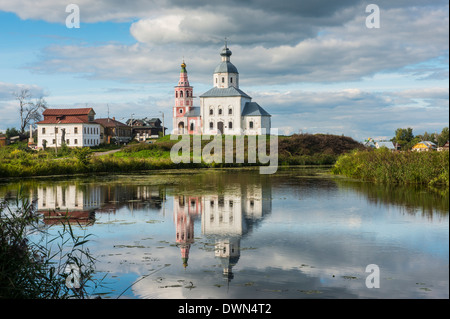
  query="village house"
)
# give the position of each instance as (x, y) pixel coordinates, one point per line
(112, 131)
(72, 127)
(144, 129)
(443, 147)
(424, 146)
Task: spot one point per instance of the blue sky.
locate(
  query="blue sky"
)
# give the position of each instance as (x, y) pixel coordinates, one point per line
(314, 65)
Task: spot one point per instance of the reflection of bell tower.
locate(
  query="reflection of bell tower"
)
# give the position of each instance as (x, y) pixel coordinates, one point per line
(185, 210)
(228, 251)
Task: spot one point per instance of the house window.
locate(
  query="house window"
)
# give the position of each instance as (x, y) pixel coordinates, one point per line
(251, 124)
(211, 112)
(56, 130)
(230, 125)
(54, 141)
(68, 142)
(75, 141)
(211, 125)
(43, 130)
(75, 130)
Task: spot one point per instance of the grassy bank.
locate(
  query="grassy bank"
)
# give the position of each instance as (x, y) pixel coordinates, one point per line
(384, 166)
(298, 149)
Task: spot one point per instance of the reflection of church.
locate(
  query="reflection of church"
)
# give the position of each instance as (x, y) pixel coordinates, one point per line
(225, 218)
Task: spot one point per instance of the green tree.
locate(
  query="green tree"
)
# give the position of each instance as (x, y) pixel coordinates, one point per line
(403, 136)
(10, 132)
(443, 137)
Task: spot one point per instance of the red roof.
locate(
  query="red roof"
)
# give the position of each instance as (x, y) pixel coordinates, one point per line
(56, 112)
(67, 116)
(66, 120)
(109, 122)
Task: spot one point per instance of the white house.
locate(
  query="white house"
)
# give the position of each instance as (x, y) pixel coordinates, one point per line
(72, 127)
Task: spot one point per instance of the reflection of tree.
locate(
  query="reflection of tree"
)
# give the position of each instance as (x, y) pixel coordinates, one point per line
(412, 198)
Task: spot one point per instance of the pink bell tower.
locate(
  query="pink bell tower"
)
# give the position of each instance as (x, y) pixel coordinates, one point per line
(183, 101)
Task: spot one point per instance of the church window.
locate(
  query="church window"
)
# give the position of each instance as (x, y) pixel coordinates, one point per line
(251, 124)
(192, 126)
(223, 80)
(231, 80)
(176, 94)
(211, 125)
(181, 93)
(187, 93)
(211, 112)
(220, 111)
(230, 125)
(181, 111)
(230, 111)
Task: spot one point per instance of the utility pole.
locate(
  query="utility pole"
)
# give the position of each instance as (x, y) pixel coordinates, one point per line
(163, 130)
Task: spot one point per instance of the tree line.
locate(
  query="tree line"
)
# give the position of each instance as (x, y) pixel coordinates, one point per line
(406, 139)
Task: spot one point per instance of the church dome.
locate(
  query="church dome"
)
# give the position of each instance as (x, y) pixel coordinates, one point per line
(226, 67)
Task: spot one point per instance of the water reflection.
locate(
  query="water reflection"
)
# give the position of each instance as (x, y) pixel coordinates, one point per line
(225, 219)
(295, 234)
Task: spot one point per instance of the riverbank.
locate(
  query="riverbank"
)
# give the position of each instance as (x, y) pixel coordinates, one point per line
(384, 166)
(298, 149)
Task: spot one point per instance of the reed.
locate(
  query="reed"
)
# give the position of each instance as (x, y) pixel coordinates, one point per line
(31, 268)
(384, 166)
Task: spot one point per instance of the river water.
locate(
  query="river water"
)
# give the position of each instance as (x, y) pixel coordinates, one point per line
(233, 233)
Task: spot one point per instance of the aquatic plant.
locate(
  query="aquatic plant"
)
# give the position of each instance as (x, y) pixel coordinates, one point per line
(385, 166)
(34, 269)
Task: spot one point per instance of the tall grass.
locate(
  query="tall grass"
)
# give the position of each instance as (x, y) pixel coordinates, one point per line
(33, 268)
(384, 166)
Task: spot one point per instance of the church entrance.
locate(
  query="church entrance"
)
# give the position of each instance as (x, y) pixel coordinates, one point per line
(181, 128)
(219, 127)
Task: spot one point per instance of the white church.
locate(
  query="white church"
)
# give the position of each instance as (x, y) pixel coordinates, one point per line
(224, 109)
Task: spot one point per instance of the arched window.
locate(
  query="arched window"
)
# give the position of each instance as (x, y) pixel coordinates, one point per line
(192, 126)
(211, 112)
(220, 111)
(230, 111)
(187, 93)
(230, 125)
(223, 79)
(231, 80)
(250, 124)
(181, 93)
(176, 94)
(211, 125)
